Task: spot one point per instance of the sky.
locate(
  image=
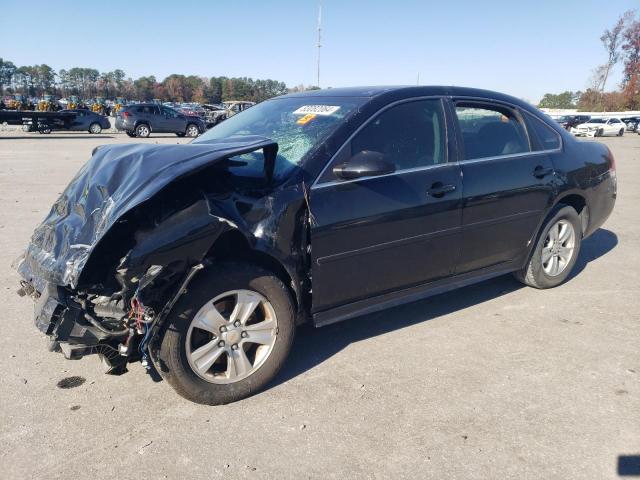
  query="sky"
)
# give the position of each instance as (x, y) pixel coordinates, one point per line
(523, 48)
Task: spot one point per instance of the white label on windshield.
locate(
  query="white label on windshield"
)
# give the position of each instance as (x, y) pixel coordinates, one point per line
(316, 110)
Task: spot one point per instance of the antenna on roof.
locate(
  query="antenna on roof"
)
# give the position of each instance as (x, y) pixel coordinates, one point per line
(319, 39)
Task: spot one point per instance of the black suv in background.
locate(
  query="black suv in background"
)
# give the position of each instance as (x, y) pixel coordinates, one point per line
(569, 121)
(142, 119)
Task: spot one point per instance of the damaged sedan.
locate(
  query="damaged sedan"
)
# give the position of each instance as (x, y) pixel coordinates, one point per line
(202, 259)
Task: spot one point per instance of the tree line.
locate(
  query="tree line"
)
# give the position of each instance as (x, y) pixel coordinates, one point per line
(622, 44)
(38, 80)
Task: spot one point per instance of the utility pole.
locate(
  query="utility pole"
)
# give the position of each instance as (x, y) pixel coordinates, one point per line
(319, 39)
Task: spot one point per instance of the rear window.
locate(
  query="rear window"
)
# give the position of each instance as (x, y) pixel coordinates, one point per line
(148, 109)
(490, 130)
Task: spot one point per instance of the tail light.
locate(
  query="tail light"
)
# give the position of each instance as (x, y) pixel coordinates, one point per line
(126, 114)
(612, 164)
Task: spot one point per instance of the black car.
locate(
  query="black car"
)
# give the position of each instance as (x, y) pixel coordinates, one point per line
(315, 207)
(569, 121)
(142, 119)
(89, 121)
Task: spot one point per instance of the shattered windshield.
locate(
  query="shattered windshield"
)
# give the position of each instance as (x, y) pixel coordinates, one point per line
(298, 124)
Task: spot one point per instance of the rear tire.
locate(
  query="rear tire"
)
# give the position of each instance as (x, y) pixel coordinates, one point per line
(216, 376)
(143, 130)
(131, 134)
(621, 132)
(556, 250)
(180, 134)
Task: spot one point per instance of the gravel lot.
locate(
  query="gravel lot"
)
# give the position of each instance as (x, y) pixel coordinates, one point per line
(491, 381)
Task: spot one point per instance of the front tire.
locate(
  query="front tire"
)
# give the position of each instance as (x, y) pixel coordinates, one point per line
(180, 134)
(556, 250)
(95, 128)
(228, 335)
(131, 134)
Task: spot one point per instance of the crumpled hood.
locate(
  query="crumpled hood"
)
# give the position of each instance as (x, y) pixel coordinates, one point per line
(114, 181)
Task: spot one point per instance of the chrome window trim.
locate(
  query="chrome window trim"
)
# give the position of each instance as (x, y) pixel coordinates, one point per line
(333, 183)
(316, 183)
(502, 157)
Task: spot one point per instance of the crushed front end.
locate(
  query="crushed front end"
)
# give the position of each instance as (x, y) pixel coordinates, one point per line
(123, 241)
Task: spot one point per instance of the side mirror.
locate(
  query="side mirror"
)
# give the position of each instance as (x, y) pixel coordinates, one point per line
(366, 163)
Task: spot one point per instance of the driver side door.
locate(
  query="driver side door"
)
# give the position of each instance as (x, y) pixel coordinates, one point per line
(379, 234)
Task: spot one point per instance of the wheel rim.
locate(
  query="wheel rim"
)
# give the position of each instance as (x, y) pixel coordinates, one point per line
(95, 128)
(192, 131)
(143, 131)
(559, 247)
(231, 336)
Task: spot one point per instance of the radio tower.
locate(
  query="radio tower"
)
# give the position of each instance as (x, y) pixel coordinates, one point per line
(319, 39)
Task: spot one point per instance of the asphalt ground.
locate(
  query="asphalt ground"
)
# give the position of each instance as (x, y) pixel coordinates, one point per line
(495, 380)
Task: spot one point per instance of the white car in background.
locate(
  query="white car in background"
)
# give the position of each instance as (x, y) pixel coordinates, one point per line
(600, 127)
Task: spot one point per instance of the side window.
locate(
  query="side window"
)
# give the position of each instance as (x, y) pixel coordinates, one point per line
(547, 137)
(410, 135)
(169, 112)
(490, 130)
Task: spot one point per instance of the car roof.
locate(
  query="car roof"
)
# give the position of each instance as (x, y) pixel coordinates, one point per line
(426, 90)
(394, 93)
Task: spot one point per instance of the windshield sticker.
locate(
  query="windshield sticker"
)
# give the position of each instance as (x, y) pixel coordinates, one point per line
(316, 110)
(306, 119)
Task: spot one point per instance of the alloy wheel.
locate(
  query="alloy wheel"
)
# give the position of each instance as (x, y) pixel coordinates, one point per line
(559, 247)
(231, 336)
(192, 131)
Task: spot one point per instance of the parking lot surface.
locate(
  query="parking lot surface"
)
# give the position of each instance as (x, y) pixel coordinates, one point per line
(495, 380)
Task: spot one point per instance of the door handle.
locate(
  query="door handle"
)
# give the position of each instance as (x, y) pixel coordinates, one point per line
(541, 172)
(439, 190)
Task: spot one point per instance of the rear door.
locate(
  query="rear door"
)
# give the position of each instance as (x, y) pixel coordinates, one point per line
(508, 186)
(375, 235)
(171, 121)
(156, 119)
